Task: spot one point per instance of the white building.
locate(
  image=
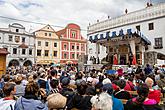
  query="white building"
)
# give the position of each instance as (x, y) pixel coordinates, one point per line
(19, 43)
(139, 34)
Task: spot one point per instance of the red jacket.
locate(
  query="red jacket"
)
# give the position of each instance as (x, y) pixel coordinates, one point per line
(129, 86)
(155, 94)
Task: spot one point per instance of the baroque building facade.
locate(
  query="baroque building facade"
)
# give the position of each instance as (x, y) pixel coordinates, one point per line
(19, 43)
(72, 44)
(47, 46)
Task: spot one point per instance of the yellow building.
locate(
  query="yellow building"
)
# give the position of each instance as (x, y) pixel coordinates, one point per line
(47, 46)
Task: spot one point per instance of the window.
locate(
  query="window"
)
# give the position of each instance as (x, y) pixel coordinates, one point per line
(50, 34)
(48, 28)
(77, 47)
(14, 51)
(138, 27)
(38, 52)
(158, 42)
(30, 51)
(65, 47)
(17, 30)
(77, 56)
(73, 56)
(73, 34)
(46, 44)
(65, 55)
(90, 51)
(39, 43)
(23, 39)
(10, 38)
(23, 51)
(45, 34)
(55, 44)
(151, 26)
(46, 52)
(72, 47)
(82, 47)
(55, 54)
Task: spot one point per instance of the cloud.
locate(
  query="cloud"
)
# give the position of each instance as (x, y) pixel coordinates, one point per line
(62, 12)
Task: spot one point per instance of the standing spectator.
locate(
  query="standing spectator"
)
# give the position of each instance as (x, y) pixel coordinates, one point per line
(129, 70)
(20, 88)
(81, 100)
(8, 102)
(147, 69)
(30, 100)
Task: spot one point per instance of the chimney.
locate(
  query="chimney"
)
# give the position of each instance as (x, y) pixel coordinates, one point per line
(97, 21)
(148, 4)
(126, 11)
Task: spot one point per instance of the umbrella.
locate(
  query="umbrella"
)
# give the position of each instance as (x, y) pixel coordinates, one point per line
(110, 72)
(134, 60)
(115, 61)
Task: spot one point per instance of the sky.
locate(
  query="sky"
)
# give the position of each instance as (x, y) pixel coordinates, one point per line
(63, 12)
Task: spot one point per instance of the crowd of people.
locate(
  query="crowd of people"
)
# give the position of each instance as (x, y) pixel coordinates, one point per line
(57, 88)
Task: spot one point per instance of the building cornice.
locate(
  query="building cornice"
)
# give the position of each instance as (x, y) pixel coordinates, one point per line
(16, 33)
(149, 13)
(47, 38)
(73, 40)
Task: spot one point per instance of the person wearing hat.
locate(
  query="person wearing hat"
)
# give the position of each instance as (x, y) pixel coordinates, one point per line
(66, 91)
(20, 88)
(117, 104)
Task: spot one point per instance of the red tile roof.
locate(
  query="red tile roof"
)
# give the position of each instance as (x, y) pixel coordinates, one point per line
(3, 51)
(23, 46)
(61, 32)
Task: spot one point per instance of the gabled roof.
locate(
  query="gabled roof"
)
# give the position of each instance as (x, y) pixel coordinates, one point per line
(42, 29)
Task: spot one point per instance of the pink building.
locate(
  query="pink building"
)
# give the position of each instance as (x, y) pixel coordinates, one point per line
(73, 45)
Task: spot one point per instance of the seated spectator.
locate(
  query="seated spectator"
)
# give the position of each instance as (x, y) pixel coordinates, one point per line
(30, 100)
(8, 102)
(117, 104)
(122, 94)
(153, 94)
(141, 102)
(102, 101)
(129, 84)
